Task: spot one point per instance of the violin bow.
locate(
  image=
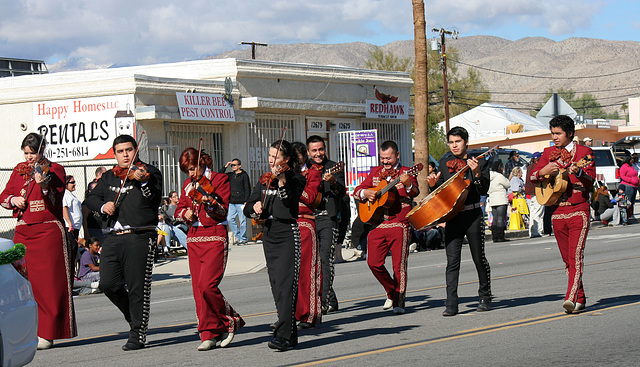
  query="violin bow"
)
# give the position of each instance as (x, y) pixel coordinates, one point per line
(194, 181)
(284, 130)
(135, 154)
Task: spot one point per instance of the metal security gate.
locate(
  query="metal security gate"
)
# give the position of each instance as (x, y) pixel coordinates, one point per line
(397, 131)
(183, 136)
(165, 158)
(262, 133)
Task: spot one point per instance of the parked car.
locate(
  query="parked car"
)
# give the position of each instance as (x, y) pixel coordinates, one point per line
(18, 313)
(607, 169)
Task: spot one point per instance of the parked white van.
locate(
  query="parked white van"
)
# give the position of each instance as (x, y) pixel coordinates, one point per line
(607, 169)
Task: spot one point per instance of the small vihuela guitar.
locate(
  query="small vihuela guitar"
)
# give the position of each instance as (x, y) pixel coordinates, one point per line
(372, 211)
(551, 188)
(333, 170)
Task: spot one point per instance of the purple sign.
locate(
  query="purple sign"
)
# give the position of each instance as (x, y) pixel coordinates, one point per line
(364, 155)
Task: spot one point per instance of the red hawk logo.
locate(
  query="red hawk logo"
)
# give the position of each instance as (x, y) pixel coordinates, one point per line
(384, 98)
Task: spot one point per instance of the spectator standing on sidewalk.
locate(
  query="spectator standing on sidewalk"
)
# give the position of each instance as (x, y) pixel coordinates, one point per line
(240, 191)
(92, 221)
(629, 180)
(512, 162)
(72, 214)
(536, 210)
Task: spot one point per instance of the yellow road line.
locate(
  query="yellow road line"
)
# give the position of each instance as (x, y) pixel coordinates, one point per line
(487, 330)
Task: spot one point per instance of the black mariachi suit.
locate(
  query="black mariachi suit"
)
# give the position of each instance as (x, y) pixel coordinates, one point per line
(473, 221)
(327, 229)
(127, 259)
(281, 244)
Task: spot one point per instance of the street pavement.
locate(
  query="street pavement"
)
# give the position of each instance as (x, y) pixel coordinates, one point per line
(527, 326)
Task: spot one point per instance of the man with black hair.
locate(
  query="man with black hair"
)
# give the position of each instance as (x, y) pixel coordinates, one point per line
(240, 190)
(512, 162)
(468, 222)
(333, 191)
(129, 202)
(571, 212)
(394, 233)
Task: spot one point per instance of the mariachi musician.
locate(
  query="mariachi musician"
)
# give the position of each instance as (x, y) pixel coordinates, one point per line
(468, 222)
(394, 233)
(333, 191)
(35, 197)
(129, 195)
(571, 212)
(275, 199)
(308, 306)
(203, 205)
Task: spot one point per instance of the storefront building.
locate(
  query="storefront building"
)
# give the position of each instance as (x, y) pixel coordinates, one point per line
(238, 108)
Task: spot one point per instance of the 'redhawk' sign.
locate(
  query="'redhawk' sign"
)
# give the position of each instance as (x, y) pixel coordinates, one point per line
(387, 107)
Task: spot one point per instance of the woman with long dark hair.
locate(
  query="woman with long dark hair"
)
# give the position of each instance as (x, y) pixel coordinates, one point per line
(203, 205)
(35, 197)
(275, 199)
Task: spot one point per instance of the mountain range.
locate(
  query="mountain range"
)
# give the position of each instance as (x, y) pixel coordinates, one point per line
(517, 73)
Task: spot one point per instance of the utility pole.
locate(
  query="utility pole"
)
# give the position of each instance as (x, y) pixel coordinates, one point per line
(253, 47)
(445, 86)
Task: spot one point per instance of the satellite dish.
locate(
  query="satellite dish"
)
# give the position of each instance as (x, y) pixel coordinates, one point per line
(228, 88)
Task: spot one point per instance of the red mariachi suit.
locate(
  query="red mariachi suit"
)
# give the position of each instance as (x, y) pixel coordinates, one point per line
(571, 215)
(208, 250)
(40, 228)
(309, 305)
(392, 234)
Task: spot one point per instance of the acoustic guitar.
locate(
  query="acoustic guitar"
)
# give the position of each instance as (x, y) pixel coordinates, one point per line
(551, 188)
(372, 211)
(333, 170)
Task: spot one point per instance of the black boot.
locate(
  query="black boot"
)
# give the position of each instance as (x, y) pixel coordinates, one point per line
(500, 235)
(494, 233)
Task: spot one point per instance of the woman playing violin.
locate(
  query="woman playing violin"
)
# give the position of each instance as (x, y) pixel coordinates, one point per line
(203, 204)
(34, 193)
(275, 198)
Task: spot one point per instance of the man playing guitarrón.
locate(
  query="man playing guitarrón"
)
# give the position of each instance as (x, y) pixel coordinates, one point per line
(393, 234)
(571, 215)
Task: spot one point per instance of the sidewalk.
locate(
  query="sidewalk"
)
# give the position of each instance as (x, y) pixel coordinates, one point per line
(242, 260)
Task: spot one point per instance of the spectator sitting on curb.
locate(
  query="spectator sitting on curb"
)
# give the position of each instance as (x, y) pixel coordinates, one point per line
(89, 271)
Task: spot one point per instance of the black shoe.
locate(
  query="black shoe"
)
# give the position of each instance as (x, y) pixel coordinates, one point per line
(280, 344)
(275, 323)
(132, 346)
(484, 305)
(305, 325)
(332, 308)
(450, 311)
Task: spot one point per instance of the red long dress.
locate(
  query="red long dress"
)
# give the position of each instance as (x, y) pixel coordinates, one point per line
(309, 305)
(41, 229)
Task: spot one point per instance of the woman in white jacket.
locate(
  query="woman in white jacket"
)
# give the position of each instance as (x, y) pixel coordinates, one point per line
(498, 200)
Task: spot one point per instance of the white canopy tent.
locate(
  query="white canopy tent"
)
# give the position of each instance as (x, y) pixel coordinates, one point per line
(489, 120)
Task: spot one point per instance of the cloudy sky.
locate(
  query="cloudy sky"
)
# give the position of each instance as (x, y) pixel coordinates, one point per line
(133, 32)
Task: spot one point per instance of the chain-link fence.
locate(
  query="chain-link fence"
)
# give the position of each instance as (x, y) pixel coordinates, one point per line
(83, 174)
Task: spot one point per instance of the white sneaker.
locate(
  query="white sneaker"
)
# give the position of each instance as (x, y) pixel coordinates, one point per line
(398, 310)
(206, 345)
(44, 343)
(413, 247)
(226, 338)
(95, 285)
(568, 306)
(387, 304)
(580, 307)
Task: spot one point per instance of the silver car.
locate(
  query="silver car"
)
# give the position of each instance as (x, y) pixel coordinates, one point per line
(18, 313)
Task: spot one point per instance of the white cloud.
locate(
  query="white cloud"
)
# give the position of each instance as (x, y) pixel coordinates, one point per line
(147, 31)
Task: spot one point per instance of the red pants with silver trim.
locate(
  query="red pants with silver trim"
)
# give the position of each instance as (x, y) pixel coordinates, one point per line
(208, 250)
(571, 226)
(309, 305)
(392, 237)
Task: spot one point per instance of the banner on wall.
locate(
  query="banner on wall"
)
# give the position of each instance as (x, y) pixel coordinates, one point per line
(84, 128)
(204, 107)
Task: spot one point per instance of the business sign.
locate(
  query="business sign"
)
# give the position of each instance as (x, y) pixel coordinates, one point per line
(204, 107)
(387, 110)
(363, 154)
(84, 128)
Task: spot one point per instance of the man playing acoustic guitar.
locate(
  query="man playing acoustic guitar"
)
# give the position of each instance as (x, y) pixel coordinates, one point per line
(571, 212)
(393, 233)
(468, 222)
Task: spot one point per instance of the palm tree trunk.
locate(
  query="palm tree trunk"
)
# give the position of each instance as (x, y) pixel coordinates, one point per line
(420, 89)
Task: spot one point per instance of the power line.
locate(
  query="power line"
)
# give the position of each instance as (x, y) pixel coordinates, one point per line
(546, 77)
(545, 92)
